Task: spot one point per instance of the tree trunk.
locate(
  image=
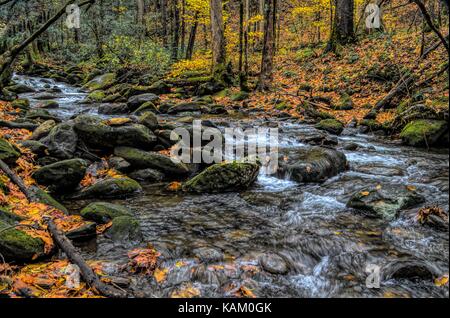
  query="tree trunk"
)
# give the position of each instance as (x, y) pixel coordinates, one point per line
(176, 30)
(218, 40)
(342, 32)
(163, 4)
(266, 76)
(192, 35)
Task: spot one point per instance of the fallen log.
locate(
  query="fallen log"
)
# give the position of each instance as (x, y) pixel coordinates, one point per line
(14, 125)
(64, 243)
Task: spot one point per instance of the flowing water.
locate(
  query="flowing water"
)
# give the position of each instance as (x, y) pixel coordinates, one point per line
(326, 246)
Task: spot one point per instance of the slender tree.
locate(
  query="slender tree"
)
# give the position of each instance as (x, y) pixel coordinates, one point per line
(266, 75)
(218, 40)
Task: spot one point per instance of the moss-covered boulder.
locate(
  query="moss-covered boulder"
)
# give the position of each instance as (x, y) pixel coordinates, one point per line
(159, 87)
(425, 132)
(96, 133)
(20, 89)
(332, 126)
(43, 130)
(62, 141)
(103, 212)
(315, 164)
(62, 176)
(385, 201)
(18, 246)
(187, 107)
(148, 106)
(240, 96)
(101, 82)
(21, 103)
(224, 177)
(46, 198)
(125, 229)
(140, 159)
(95, 97)
(149, 175)
(149, 120)
(137, 101)
(48, 104)
(345, 103)
(8, 153)
(40, 114)
(110, 188)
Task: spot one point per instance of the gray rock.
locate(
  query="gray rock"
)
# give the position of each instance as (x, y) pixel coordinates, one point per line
(273, 264)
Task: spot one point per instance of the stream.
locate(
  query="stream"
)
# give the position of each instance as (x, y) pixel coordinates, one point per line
(325, 245)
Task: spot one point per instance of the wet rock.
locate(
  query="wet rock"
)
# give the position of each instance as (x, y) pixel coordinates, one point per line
(209, 88)
(101, 82)
(144, 159)
(425, 133)
(125, 229)
(187, 107)
(319, 139)
(217, 109)
(103, 212)
(332, 126)
(95, 133)
(119, 164)
(44, 96)
(208, 255)
(148, 174)
(146, 107)
(312, 165)
(40, 114)
(224, 177)
(83, 232)
(273, 264)
(20, 89)
(379, 170)
(61, 141)
(8, 153)
(159, 88)
(410, 270)
(36, 147)
(110, 188)
(149, 120)
(113, 109)
(384, 201)
(61, 176)
(18, 246)
(137, 101)
(49, 104)
(95, 97)
(46, 198)
(351, 146)
(43, 130)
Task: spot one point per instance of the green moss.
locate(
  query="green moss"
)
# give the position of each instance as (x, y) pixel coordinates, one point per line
(304, 54)
(423, 132)
(17, 245)
(96, 96)
(101, 82)
(240, 96)
(331, 125)
(103, 212)
(8, 152)
(345, 103)
(21, 103)
(147, 106)
(125, 228)
(46, 198)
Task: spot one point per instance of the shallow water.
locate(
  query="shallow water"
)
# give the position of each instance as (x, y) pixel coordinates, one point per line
(326, 245)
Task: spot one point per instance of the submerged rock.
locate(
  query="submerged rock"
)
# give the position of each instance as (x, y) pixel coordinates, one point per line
(147, 175)
(103, 212)
(61, 176)
(273, 264)
(208, 254)
(425, 133)
(145, 159)
(125, 229)
(110, 188)
(313, 165)
(224, 177)
(385, 201)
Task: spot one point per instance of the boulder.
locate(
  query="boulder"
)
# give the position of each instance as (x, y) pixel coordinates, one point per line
(425, 132)
(187, 107)
(61, 176)
(43, 130)
(125, 229)
(20, 89)
(224, 177)
(384, 201)
(149, 120)
(21, 103)
(44, 96)
(240, 96)
(101, 82)
(46, 198)
(316, 164)
(62, 141)
(8, 153)
(40, 113)
(208, 255)
(18, 246)
(113, 109)
(146, 107)
(95, 97)
(148, 174)
(119, 164)
(137, 101)
(96, 133)
(103, 212)
(144, 159)
(319, 139)
(110, 188)
(332, 126)
(273, 264)
(345, 103)
(159, 88)
(48, 104)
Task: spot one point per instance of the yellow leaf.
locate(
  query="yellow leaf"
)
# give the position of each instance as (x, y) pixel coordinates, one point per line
(365, 193)
(186, 292)
(180, 264)
(441, 281)
(117, 121)
(411, 188)
(379, 187)
(160, 274)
